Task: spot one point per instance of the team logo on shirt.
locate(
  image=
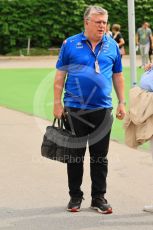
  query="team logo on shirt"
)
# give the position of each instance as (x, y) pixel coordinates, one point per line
(79, 45)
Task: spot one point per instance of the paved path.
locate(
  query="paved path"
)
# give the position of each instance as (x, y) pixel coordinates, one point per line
(33, 190)
(28, 62)
(43, 61)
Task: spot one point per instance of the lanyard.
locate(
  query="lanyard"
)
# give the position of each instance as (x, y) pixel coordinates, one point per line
(97, 68)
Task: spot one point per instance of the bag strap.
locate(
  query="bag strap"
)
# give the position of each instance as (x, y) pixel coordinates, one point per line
(70, 123)
(61, 124)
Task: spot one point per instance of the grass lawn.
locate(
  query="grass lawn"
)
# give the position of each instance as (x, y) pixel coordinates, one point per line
(31, 91)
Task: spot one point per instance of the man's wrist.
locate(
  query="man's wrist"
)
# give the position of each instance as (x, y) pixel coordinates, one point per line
(121, 102)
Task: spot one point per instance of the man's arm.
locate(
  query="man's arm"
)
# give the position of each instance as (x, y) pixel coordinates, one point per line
(58, 89)
(151, 41)
(121, 42)
(118, 83)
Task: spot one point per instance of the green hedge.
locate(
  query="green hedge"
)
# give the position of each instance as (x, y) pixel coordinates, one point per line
(49, 22)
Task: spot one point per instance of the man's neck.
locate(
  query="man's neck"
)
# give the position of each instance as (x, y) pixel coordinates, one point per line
(93, 41)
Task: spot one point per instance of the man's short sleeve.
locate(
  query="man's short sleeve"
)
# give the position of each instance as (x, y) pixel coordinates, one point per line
(117, 68)
(138, 32)
(150, 32)
(62, 62)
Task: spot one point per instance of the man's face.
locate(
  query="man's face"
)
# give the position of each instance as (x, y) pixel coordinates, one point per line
(145, 25)
(96, 26)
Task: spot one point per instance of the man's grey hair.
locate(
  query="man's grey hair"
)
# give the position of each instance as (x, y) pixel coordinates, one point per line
(94, 10)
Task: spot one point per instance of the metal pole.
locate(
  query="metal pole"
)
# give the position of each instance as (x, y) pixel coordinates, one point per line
(131, 26)
(28, 48)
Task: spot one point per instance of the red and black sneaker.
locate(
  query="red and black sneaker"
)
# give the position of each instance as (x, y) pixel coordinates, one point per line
(74, 204)
(100, 204)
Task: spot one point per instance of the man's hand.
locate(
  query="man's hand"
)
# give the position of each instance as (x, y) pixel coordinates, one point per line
(120, 111)
(148, 66)
(58, 110)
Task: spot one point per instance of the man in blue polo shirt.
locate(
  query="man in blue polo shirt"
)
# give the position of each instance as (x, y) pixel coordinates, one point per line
(88, 64)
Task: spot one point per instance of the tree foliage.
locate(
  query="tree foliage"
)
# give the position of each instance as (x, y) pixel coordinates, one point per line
(118, 13)
(49, 22)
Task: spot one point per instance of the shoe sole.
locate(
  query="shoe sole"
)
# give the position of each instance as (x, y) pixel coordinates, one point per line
(73, 210)
(148, 210)
(108, 211)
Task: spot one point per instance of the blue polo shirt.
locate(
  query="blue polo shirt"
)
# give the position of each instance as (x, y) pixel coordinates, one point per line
(84, 87)
(146, 81)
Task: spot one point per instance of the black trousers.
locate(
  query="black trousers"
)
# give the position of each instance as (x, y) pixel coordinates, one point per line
(94, 127)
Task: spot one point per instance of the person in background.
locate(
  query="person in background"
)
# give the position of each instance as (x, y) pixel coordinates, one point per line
(150, 51)
(143, 37)
(138, 120)
(150, 47)
(117, 36)
(108, 31)
(88, 64)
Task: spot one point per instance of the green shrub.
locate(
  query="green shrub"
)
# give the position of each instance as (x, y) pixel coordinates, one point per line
(49, 22)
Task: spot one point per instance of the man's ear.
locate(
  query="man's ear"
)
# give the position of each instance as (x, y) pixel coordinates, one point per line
(86, 22)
